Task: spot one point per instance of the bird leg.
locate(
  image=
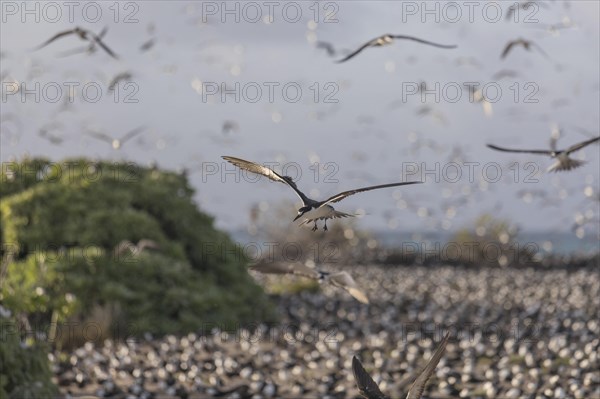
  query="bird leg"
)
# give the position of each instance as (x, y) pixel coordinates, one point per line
(315, 226)
(325, 225)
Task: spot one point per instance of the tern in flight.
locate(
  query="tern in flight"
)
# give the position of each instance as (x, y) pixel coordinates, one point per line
(312, 210)
(527, 45)
(117, 143)
(388, 39)
(369, 389)
(563, 162)
(338, 279)
(83, 34)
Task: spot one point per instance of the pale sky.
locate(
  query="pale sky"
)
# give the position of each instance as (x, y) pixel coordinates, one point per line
(357, 119)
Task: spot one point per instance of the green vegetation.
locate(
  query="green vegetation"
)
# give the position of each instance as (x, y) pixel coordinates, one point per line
(29, 376)
(61, 224)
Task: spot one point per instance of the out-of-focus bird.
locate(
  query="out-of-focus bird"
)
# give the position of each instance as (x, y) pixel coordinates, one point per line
(311, 210)
(388, 39)
(83, 34)
(563, 161)
(338, 279)
(369, 389)
(526, 44)
(135, 249)
(523, 6)
(147, 45)
(118, 78)
(328, 47)
(117, 143)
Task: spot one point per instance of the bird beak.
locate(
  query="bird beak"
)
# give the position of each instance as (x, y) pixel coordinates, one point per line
(296, 218)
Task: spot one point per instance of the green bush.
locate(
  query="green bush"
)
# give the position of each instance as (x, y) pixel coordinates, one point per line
(62, 222)
(24, 368)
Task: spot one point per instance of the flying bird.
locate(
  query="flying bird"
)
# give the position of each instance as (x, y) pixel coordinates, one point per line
(135, 249)
(147, 45)
(523, 6)
(83, 34)
(527, 45)
(311, 210)
(328, 47)
(369, 389)
(118, 78)
(563, 162)
(117, 143)
(338, 279)
(89, 49)
(388, 39)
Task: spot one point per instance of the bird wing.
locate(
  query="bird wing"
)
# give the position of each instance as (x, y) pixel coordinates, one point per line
(101, 136)
(298, 269)
(342, 195)
(132, 134)
(345, 281)
(147, 243)
(102, 32)
(267, 172)
(416, 39)
(495, 147)
(147, 45)
(327, 47)
(55, 37)
(366, 386)
(417, 388)
(121, 247)
(100, 43)
(541, 50)
(355, 52)
(117, 79)
(508, 47)
(579, 146)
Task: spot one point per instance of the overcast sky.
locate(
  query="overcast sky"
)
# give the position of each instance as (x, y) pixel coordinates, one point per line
(360, 121)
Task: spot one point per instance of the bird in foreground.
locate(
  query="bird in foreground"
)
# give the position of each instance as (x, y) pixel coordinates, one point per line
(83, 34)
(388, 39)
(369, 389)
(338, 279)
(117, 143)
(563, 162)
(527, 45)
(311, 210)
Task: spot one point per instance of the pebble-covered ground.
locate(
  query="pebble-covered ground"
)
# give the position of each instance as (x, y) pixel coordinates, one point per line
(516, 333)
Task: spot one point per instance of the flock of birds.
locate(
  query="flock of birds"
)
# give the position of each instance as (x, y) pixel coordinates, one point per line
(312, 210)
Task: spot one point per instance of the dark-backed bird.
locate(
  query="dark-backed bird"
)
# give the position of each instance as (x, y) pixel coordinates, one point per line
(369, 389)
(338, 279)
(388, 39)
(527, 45)
(83, 34)
(114, 142)
(311, 210)
(563, 161)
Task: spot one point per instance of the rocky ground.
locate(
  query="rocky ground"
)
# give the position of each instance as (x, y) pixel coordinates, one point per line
(516, 333)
